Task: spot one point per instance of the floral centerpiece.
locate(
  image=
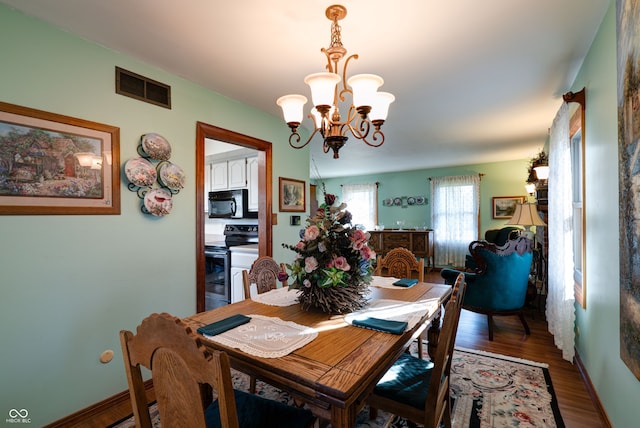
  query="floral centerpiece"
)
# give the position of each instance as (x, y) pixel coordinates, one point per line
(332, 267)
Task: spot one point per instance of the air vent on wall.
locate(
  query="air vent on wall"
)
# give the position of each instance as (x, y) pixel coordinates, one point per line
(142, 88)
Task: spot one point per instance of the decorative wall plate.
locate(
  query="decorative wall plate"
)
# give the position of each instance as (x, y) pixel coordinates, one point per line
(420, 200)
(156, 146)
(411, 200)
(140, 172)
(158, 202)
(397, 201)
(171, 176)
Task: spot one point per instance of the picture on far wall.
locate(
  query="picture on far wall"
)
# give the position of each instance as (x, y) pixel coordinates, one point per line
(54, 164)
(292, 195)
(505, 206)
(629, 176)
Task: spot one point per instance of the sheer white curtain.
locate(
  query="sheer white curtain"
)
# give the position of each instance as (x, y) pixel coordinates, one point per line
(560, 299)
(361, 200)
(454, 216)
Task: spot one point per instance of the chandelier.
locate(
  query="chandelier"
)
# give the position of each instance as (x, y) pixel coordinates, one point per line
(368, 109)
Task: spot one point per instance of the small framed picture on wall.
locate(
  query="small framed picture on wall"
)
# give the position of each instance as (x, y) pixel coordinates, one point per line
(504, 206)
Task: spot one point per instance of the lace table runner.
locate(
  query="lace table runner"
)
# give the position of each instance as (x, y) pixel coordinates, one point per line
(384, 282)
(266, 337)
(277, 297)
(396, 310)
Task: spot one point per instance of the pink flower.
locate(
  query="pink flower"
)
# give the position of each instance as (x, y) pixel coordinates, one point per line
(282, 276)
(367, 253)
(311, 233)
(300, 245)
(341, 263)
(358, 235)
(329, 199)
(310, 264)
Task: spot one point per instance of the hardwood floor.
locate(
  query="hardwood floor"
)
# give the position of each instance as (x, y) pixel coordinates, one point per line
(576, 406)
(575, 403)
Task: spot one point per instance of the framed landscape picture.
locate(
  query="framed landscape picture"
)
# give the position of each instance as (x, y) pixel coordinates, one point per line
(504, 206)
(54, 164)
(292, 195)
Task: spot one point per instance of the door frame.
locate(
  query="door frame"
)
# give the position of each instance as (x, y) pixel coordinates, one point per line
(265, 239)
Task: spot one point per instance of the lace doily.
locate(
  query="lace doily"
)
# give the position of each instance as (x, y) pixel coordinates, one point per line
(277, 297)
(266, 337)
(384, 282)
(396, 310)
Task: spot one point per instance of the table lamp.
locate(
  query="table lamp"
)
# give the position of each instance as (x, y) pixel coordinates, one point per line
(526, 215)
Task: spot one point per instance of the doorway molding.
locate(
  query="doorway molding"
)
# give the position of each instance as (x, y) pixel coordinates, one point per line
(265, 239)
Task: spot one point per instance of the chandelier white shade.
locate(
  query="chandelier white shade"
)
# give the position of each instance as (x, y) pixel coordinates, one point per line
(365, 114)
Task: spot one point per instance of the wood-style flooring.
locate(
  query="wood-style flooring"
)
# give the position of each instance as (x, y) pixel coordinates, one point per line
(576, 405)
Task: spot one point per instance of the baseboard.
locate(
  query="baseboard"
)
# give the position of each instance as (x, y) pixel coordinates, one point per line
(592, 391)
(103, 413)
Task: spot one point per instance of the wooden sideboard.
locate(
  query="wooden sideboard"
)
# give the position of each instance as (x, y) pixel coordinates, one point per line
(420, 242)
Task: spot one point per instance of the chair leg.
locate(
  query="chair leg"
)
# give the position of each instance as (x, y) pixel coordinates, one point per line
(373, 413)
(490, 323)
(524, 323)
(420, 347)
(252, 384)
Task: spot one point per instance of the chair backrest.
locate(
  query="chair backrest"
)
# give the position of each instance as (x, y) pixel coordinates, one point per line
(185, 375)
(501, 236)
(400, 263)
(502, 276)
(264, 273)
(438, 404)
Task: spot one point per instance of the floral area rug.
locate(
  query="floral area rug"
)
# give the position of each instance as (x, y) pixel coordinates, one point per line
(487, 390)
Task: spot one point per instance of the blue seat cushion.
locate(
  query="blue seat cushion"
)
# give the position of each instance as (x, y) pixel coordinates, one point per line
(407, 381)
(259, 412)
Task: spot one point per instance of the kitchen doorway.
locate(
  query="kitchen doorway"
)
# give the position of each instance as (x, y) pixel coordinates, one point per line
(264, 148)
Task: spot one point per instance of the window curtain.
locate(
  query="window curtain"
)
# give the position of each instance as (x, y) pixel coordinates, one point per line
(454, 216)
(560, 299)
(361, 200)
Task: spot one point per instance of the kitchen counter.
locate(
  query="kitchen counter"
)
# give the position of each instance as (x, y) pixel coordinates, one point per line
(214, 241)
(248, 248)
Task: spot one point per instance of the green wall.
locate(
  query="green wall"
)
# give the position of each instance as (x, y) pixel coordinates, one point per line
(499, 179)
(598, 341)
(69, 284)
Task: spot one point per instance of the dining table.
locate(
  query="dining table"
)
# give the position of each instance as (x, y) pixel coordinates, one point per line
(333, 373)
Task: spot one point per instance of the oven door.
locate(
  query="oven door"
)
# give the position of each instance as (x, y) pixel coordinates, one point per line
(217, 277)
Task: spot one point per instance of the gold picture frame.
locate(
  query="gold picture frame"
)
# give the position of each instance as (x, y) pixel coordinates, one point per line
(292, 195)
(55, 164)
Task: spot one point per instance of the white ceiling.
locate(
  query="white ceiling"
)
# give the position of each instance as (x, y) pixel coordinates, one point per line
(475, 81)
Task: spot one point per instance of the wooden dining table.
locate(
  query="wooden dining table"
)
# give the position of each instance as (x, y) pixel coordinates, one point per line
(334, 373)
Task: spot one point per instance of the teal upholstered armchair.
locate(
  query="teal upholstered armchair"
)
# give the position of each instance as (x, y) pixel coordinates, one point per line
(499, 284)
(495, 236)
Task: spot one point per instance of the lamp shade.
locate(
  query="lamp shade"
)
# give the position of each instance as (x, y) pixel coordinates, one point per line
(526, 215)
(380, 107)
(365, 89)
(323, 87)
(292, 107)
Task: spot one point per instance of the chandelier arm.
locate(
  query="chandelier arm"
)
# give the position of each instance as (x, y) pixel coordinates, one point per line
(361, 132)
(294, 138)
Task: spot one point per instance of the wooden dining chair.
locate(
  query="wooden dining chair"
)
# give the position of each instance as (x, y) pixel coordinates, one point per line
(264, 273)
(186, 377)
(417, 389)
(401, 263)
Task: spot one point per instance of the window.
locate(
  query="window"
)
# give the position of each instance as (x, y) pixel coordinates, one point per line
(454, 217)
(577, 202)
(362, 203)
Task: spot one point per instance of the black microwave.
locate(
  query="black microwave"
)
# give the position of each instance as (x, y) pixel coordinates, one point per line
(230, 204)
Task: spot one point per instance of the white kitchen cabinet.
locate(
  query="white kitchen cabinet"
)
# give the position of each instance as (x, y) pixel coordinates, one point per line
(237, 173)
(219, 176)
(252, 182)
(242, 257)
